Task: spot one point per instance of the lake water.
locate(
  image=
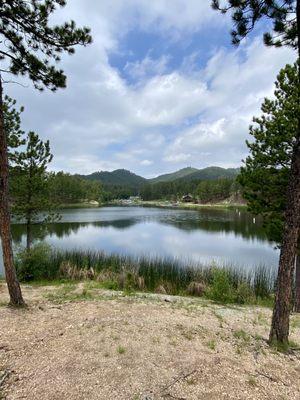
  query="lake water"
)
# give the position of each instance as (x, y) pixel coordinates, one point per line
(219, 235)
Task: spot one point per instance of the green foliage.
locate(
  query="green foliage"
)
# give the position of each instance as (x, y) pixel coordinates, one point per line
(31, 41)
(225, 285)
(119, 177)
(221, 189)
(29, 184)
(265, 175)
(65, 188)
(12, 126)
(221, 289)
(34, 264)
(213, 173)
(246, 13)
(182, 173)
(204, 191)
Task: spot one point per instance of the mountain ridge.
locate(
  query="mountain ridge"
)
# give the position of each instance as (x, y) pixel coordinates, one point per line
(124, 177)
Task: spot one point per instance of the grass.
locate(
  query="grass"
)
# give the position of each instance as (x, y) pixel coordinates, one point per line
(242, 335)
(211, 344)
(121, 350)
(225, 285)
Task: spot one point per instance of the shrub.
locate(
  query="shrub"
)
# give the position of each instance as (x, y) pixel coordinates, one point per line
(243, 294)
(221, 289)
(34, 264)
(196, 289)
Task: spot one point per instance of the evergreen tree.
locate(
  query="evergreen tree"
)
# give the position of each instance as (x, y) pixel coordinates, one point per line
(269, 163)
(12, 126)
(28, 45)
(285, 15)
(29, 187)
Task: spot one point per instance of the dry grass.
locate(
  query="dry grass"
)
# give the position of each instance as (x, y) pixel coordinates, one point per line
(79, 342)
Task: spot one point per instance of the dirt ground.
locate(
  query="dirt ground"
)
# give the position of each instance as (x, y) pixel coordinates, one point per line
(79, 342)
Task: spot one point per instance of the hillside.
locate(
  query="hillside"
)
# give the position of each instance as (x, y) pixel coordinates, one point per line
(120, 177)
(125, 178)
(174, 175)
(213, 173)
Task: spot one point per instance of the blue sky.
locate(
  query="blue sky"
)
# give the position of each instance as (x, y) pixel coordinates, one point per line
(160, 88)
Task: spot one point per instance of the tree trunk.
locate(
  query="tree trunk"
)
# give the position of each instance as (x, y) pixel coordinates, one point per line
(297, 284)
(14, 289)
(283, 299)
(28, 235)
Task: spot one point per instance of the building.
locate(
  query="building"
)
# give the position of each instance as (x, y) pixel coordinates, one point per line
(187, 198)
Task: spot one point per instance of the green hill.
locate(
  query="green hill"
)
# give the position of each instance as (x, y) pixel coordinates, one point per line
(125, 178)
(174, 175)
(212, 173)
(120, 177)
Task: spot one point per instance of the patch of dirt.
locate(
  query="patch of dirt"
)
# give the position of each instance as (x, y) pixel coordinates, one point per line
(79, 342)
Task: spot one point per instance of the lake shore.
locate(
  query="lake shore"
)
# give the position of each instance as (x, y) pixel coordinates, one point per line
(80, 342)
(158, 204)
(182, 205)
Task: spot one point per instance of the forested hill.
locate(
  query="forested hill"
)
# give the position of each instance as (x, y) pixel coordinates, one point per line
(213, 173)
(123, 177)
(182, 173)
(120, 177)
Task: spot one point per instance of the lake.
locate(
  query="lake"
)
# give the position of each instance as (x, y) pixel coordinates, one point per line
(209, 235)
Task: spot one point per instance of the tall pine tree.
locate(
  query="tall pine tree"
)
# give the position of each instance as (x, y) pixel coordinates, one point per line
(265, 174)
(28, 44)
(29, 185)
(285, 15)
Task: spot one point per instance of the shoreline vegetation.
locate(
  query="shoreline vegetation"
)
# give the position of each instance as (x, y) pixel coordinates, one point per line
(156, 204)
(224, 284)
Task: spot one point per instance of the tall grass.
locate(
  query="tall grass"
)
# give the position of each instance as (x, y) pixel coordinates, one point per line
(172, 276)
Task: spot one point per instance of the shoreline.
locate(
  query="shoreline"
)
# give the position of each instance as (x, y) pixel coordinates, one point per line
(157, 204)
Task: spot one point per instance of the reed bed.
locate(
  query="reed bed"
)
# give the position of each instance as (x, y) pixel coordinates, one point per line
(228, 283)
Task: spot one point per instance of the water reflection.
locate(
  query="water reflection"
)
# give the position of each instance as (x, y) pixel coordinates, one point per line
(229, 236)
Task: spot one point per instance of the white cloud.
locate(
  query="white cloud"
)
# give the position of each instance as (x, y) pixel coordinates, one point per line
(147, 67)
(192, 114)
(146, 162)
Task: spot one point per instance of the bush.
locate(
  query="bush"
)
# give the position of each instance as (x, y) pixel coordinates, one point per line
(34, 264)
(221, 289)
(243, 294)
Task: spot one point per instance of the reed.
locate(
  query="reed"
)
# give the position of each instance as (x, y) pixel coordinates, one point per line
(227, 284)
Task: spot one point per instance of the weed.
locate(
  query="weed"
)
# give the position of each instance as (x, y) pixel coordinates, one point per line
(242, 335)
(252, 381)
(211, 344)
(121, 350)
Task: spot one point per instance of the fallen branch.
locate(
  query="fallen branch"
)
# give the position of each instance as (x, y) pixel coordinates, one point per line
(271, 378)
(176, 380)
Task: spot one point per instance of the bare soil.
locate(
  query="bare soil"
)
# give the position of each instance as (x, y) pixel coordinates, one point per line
(79, 342)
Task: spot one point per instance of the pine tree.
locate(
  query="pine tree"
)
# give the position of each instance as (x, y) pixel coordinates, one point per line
(29, 186)
(265, 175)
(285, 15)
(28, 45)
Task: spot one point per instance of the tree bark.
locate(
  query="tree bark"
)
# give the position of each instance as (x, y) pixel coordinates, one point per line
(13, 285)
(297, 284)
(283, 298)
(279, 332)
(28, 235)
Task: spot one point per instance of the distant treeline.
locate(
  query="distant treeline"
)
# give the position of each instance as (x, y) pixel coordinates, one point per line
(64, 188)
(203, 191)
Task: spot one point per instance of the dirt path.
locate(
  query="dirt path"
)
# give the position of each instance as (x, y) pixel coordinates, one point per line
(84, 343)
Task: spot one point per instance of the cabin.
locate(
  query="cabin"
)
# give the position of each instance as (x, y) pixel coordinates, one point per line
(187, 198)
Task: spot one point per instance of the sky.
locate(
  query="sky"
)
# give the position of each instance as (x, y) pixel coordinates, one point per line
(159, 89)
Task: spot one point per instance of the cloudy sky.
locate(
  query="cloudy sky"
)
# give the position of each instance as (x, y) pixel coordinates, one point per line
(160, 88)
